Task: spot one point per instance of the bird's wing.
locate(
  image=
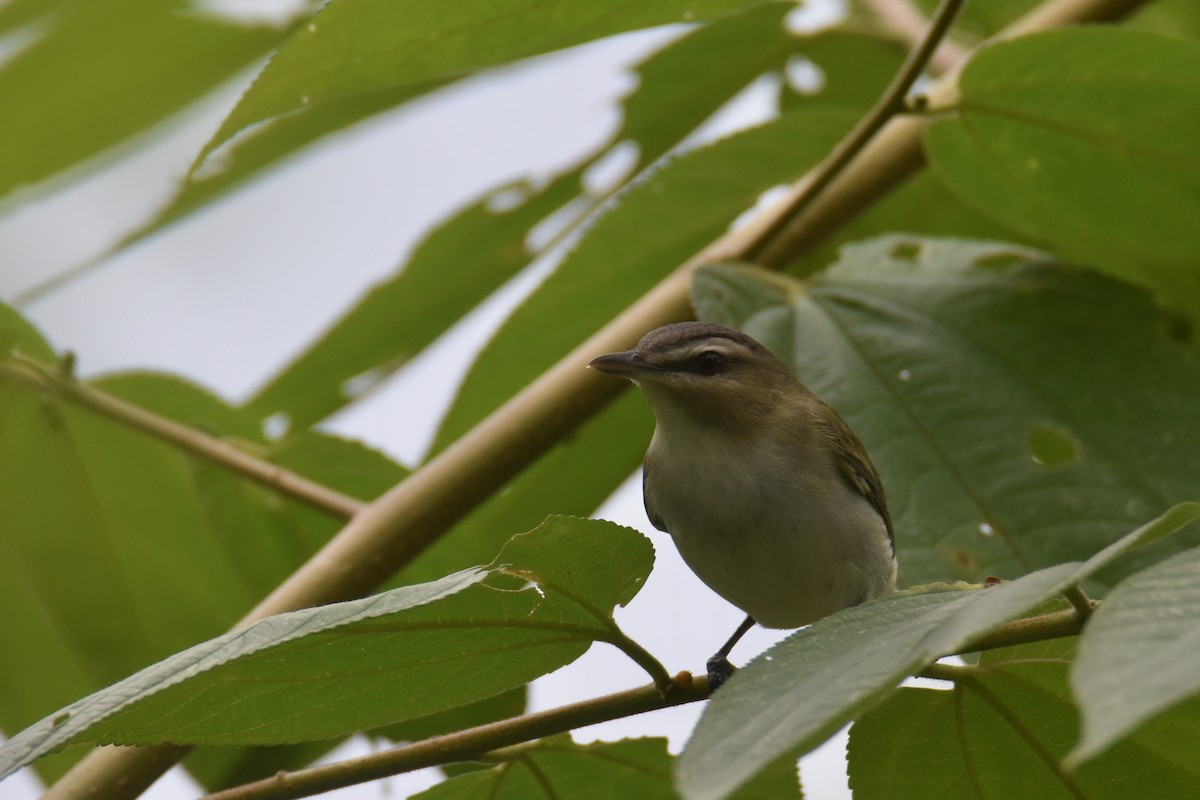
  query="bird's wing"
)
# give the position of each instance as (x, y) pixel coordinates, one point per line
(655, 519)
(857, 469)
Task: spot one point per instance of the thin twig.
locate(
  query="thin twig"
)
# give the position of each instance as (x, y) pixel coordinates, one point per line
(467, 745)
(29, 373)
(396, 527)
(906, 20)
(890, 103)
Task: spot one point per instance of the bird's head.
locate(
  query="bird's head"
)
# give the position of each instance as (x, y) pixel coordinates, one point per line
(713, 374)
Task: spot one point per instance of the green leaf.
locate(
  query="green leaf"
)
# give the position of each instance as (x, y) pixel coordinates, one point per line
(24, 337)
(483, 246)
(356, 48)
(1073, 138)
(557, 767)
(1002, 732)
(1021, 413)
(119, 549)
(658, 224)
(1137, 656)
(328, 671)
(98, 72)
(804, 689)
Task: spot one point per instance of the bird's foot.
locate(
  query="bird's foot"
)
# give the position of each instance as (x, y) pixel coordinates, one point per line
(719, 670)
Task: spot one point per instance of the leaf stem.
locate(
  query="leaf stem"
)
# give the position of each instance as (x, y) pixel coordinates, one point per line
(470, 744)
(642, 657)
(890, 103)
(25, 371)
(1079, 600)
(1055, 625)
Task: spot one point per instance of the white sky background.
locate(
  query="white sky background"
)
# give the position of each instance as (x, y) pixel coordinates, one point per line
(216, 299)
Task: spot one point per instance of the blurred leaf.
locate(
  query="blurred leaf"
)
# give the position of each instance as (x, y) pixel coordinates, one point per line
(801, 691)
(1021, 413)
(332, 670)
(25, 338)
(97, 72)
(851, 67)
(119, 549)
(1138, 653)
(361, 47)
(980, 20)
(1001, 732)
(487, 243)
(1073, 137)
(557, 767)
(657, 225)
(575, 477)
(921, 206)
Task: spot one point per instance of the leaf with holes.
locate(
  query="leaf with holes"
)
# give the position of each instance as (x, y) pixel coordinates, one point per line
(1021, 412)
(328, 671)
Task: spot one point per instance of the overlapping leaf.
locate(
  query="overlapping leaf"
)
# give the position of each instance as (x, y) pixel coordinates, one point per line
(96, 73)
(1021, 413)
(1079, 139)
(1014, 709)
(407, 653)
(557, 767)
(486, 244)
(804, 689)
(357, 48)
(119, 550)
(1137, 657)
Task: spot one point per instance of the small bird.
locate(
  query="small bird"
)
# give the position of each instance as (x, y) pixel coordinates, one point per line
(767, 493)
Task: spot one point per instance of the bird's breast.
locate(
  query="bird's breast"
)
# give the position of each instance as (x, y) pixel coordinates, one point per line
(786, 541)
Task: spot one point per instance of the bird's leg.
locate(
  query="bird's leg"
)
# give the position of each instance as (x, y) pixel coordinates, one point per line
(719, 668)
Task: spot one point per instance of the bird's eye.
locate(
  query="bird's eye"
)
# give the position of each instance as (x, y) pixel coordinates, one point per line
(709, 362)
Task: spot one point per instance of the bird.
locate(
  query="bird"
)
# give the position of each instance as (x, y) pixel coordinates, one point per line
(768, 495)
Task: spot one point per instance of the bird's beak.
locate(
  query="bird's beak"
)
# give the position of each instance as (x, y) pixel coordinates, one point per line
(627, 364)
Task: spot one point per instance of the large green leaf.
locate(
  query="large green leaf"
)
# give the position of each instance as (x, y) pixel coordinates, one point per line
(802, 690)
(119, 549)
(1138, 653)
(1021, 413)
(99, 72)
(332, 670)
(1002, 732)
(557, 767)
(356, 48)
(1082, 140)
(473, 253)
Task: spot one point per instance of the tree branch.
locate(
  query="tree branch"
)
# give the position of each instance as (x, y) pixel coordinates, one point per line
(392, 530)
(29, 373)
(469, 744)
